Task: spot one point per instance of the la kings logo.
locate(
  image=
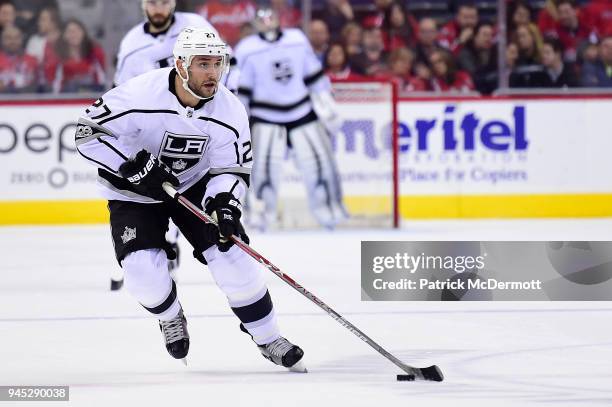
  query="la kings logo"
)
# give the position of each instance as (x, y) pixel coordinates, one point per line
(128, 234)
(282, 71)
(181, 152)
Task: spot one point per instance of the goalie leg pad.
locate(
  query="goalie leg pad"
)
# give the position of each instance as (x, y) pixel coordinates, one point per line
(315, 159)
(270, 148)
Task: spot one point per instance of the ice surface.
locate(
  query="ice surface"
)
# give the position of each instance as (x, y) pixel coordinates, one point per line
(59, 325)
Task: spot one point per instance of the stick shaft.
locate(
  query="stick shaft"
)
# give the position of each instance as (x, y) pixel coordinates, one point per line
(292, 283)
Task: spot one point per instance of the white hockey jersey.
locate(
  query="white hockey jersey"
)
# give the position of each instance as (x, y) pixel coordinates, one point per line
(141, 51)
(212, 139)
(276, 78)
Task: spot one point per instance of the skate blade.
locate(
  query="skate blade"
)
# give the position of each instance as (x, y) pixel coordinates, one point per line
(299, 367)
(184, 360)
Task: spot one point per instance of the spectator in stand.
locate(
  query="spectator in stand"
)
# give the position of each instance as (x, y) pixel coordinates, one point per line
(479, 58)
(288, 15)
(8, 14)
(318, 34)
(18, 71)
(528, 62)
(401, 62)
(228, 16)
(556, 73)
(77, 63)
(352, 37)
(49, 31)
(399, 27)
(573, 29)
(520, 13)
(529, 45)
(598, 74)
(377, 18)
(547, 18)
(446, 76)
(512, 55)
(552, 73)
(600, 13)
(371, 61)
(337, 14)
(426, 44)
(336, 64)
(28, 11)
(460, 30)
(590, 53)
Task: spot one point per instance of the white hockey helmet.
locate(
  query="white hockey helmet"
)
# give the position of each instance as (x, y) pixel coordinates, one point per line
(267, 23)
(194, 41)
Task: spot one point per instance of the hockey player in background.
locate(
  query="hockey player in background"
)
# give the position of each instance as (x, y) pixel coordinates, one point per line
(148, 45)
(182, 126)
(145, 47)
(288, 98)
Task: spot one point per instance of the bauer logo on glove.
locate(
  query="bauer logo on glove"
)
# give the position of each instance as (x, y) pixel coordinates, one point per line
(147, 174)
(148, 166)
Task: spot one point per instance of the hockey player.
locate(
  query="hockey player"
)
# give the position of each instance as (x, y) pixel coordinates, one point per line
(145, 47)
(180, 125)
(281, 81)
(148, 45)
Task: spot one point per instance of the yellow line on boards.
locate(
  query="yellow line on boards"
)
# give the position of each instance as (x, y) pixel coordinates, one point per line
(411, 207)
(487, 206)
(53, 212)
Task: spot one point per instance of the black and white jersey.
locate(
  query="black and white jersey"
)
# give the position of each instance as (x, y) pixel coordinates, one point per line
(276, 78)
(211, 139)
(141, 51)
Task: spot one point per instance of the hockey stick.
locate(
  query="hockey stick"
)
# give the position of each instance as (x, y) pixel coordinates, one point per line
(432, 372)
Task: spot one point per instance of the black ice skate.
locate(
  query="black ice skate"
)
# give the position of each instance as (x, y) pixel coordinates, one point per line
(283, 353)
(176, 336)
(116, 285)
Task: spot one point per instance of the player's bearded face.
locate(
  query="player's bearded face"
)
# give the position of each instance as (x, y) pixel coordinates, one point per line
(204, 75)
(158, 13)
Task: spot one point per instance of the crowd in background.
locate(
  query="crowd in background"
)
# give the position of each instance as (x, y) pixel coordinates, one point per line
(560, 44)
(42, 53)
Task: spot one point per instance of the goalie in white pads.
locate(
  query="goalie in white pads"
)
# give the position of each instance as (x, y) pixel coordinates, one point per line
(149, 46)
(180, 125)
(280, 78)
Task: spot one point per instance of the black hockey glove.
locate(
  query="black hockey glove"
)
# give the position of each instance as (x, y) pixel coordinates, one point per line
(227, 210)
(147, 174)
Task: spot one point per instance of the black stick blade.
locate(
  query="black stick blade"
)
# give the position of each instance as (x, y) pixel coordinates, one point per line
(432, 373)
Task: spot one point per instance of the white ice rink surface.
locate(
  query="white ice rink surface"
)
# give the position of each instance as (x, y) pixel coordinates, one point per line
(59, 325)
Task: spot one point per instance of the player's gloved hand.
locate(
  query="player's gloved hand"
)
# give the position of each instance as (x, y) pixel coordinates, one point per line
(227, 210)
(147, 174)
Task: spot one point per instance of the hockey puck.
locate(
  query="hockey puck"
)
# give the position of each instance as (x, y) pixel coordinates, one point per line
(405, 377)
